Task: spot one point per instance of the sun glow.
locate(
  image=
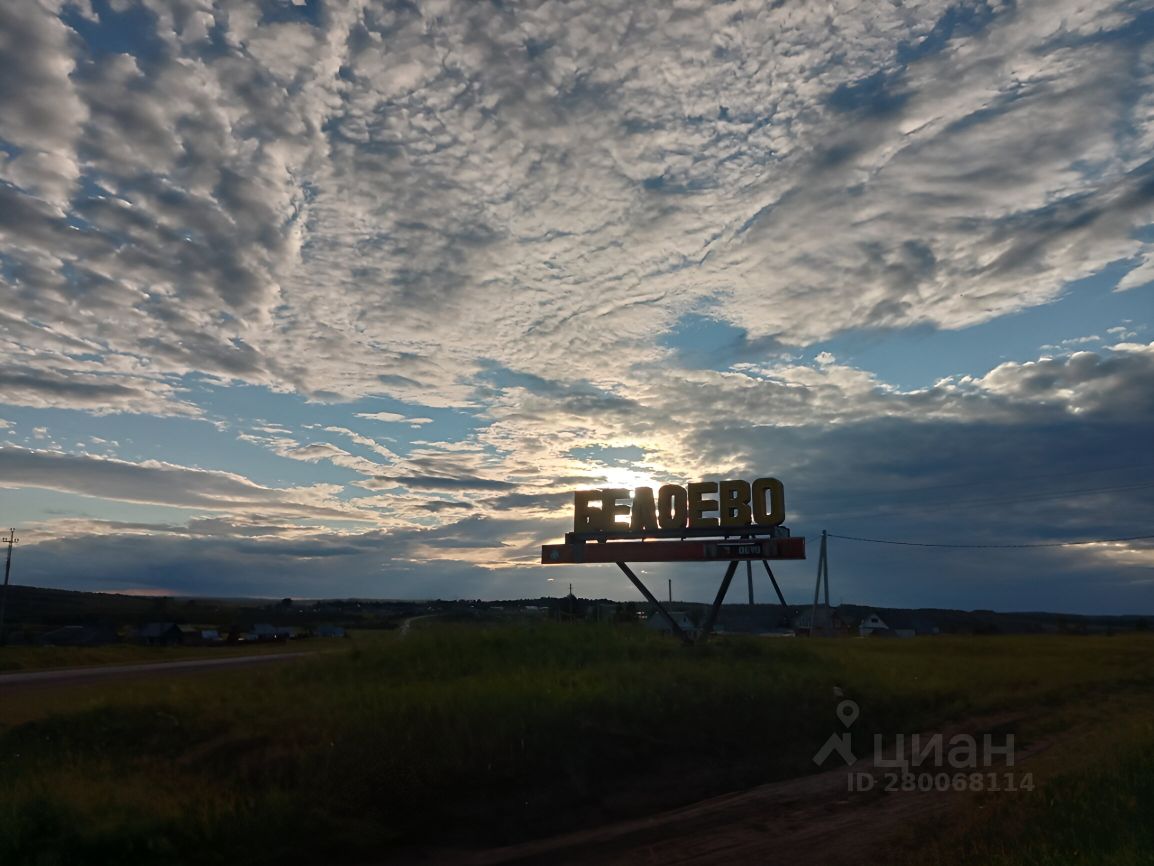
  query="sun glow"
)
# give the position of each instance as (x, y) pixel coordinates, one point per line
(623, 476)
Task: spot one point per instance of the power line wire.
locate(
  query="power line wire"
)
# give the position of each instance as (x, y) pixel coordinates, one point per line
(989, 546)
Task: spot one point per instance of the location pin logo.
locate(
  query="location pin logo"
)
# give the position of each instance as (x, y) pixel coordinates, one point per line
(847, 711)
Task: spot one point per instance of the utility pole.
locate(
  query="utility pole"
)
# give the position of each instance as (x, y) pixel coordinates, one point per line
(822, 574)
(10, 540)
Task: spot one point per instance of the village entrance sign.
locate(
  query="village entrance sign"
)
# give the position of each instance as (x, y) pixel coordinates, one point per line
(681, 524)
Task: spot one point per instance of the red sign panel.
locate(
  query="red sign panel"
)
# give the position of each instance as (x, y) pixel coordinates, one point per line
(673, 551)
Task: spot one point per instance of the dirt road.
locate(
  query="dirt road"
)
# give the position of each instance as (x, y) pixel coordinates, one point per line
(813, 819)
(72, 675)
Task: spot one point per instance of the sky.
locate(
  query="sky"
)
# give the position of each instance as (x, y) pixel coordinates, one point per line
(334, 299)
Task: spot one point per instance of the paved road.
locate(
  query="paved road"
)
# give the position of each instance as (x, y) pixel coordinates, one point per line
(70, 675)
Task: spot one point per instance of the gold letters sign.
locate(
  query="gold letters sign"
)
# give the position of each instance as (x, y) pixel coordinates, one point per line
(736, 503)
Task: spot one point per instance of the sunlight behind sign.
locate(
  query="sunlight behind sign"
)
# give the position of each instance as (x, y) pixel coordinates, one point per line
(737, 503)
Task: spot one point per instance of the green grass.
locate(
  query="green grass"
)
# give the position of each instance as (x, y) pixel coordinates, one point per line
(477, 735)
(1093, 807)
(1105, 816)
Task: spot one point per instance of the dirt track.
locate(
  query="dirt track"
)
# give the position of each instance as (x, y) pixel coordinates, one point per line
(61, 676)
(813, 819)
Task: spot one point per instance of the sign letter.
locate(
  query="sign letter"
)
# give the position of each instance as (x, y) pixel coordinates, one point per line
(697, 505)
(610, 509)
(734, 496)
(671, 507)
(774, 514)
(585, 517)
(644, 516)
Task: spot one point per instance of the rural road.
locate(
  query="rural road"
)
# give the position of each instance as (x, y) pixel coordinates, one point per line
(406, 625)
(812, 819)
(71, 675)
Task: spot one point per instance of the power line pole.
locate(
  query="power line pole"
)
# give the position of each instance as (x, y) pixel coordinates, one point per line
(822, 573)
(10, 540)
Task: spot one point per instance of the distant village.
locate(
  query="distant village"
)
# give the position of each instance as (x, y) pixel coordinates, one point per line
(49, 617)
(850, 620)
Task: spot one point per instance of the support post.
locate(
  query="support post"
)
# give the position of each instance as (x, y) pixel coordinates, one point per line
(707, 629)
(825, 562)
(749, 578)
(10, 540)
(817, 588)
(644, 590)
(776, 587)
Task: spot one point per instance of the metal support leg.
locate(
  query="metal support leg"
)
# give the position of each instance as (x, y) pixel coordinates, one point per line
(825, 572)
(749, 579)
(777, 589)
(644, 590)
(773, 580)
(707, 629)
(817, 588)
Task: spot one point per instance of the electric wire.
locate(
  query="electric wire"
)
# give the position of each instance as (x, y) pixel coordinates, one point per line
(989, 546)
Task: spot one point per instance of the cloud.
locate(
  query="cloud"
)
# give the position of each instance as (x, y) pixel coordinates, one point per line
(438, 505)
(200, 566)
(393, 417)
(366, 442)
(530, 501)
(554, 187)
(158, 483)
(316, 451)
(40, 111)
(432, 482)
(1117, 384)
(97, 392)
(219, 557)
(1141, 275)
(397, 565)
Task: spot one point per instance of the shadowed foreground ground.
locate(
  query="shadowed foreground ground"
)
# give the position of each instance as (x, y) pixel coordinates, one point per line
(484, 745)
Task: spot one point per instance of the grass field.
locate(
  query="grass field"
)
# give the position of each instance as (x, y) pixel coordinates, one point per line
(479, 736)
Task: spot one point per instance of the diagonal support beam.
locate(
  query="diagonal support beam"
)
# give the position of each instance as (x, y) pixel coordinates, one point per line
(773, 580)
(644, 590)
(707, 629)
